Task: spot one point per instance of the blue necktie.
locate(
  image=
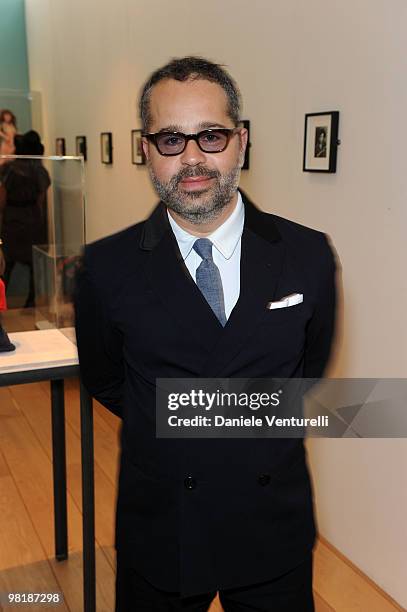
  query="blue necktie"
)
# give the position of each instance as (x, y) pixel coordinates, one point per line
(208, 279)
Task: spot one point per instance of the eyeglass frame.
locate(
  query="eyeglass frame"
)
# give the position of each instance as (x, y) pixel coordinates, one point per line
(152, 137)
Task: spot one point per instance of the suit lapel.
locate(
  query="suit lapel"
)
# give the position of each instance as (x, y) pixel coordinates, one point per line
(171, 281)
(260, 269)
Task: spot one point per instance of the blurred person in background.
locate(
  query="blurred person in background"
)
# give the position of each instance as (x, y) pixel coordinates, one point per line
(23, 190)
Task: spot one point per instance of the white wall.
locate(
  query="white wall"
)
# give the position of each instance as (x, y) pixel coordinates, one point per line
(90, 57)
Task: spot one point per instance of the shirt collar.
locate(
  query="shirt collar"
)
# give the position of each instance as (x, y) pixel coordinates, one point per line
(225, 238)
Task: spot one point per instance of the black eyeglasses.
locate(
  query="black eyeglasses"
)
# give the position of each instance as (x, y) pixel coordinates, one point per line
(214, 140)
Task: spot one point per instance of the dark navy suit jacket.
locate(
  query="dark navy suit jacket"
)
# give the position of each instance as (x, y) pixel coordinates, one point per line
(140, 316)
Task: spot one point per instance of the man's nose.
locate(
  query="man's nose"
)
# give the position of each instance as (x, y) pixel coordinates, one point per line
(192, 155)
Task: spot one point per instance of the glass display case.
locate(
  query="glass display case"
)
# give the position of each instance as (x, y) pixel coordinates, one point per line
(47, 274)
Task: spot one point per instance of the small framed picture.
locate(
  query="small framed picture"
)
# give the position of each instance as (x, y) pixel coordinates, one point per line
(106, 147)
(81, 147)
(137, 153)
(321, 142)
(60, 148)
(246, 164)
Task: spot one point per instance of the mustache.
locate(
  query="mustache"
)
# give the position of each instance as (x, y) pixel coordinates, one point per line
(193, 172)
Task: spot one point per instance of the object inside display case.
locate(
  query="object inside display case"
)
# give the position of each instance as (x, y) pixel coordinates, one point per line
(5, 345)
(54, 273)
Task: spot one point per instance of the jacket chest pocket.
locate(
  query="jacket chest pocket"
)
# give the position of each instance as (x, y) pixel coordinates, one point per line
(298, 314)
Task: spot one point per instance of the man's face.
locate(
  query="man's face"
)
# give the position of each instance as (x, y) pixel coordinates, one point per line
(196, 185)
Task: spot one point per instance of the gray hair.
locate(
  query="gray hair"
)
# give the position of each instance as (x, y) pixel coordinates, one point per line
(191, 68)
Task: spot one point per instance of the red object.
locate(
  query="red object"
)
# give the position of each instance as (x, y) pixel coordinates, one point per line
(3, 303)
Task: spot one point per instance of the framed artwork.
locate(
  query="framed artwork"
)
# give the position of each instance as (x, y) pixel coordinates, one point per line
(81, 147)
(246, 164)
(60, 148)
(137, 153)
(321, 142)
(106, 147)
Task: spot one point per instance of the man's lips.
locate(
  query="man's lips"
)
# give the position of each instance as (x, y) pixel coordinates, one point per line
(195, 181)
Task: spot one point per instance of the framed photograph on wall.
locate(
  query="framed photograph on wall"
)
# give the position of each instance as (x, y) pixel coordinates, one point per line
(81, 147)
(137, 153)
(60, 148)
(106, 147)
(321, 142)
(246, 164)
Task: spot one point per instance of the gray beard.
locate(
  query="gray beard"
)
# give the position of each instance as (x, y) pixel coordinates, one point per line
(190, 206)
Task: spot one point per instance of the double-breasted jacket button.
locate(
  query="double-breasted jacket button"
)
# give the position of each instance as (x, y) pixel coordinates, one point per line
(189, 482)
(264, 479)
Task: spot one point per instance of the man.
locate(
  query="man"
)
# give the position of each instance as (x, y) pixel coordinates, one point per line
(184, 294)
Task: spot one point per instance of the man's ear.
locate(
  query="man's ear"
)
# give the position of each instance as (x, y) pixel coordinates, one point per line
(243, 136)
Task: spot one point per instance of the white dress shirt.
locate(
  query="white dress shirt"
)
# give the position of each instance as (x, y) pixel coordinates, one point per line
(226, 251)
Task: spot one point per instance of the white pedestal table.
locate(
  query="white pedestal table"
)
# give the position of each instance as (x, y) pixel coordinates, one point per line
(51, 355)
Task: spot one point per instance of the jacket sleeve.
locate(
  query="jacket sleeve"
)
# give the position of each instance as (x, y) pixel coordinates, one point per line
(99, 344)
(321, 328)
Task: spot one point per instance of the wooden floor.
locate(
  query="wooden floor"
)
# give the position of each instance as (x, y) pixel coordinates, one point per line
(26, 511)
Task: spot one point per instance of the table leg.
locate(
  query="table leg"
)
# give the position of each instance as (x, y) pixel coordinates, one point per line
(88, 502)
(59, 469)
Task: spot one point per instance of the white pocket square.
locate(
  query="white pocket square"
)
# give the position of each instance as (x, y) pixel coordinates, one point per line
(289, 300)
